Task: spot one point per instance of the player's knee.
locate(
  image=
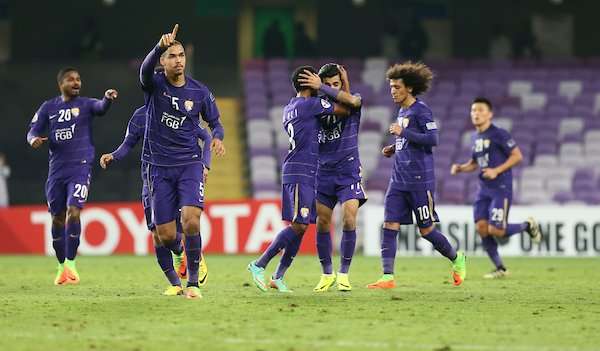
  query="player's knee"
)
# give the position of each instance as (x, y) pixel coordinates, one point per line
(73, 213)
(425, 231)
(323, 224)
(495, 231)
(349, 222)
(391, 225)
(299, 228)
(58, 220)
(482, 229)
(155, 238)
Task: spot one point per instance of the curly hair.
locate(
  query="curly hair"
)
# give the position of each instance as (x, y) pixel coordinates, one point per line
(415, 75)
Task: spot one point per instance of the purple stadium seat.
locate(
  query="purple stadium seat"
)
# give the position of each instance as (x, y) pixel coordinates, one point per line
(453, 191)
(563, 197)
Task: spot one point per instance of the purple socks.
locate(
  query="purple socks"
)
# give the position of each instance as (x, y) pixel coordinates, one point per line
(491, 247)
(282, 240)
(324, 249)
(512, 229)
(441, 244)
(73, 235)
(165, 261)
(291, 250)
(59, 243)
(347, 246)
(389, 245)
(193, 247)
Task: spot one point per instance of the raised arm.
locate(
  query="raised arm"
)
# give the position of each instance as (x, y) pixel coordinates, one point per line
(38, 125)
(100, 107)
(151, 60)
(312, 80)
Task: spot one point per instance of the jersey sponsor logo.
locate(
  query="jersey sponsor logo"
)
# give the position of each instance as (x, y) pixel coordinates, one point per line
(189, 105)
(400, 142)
(64, 134)
(171, 121)
(325, 103)
(331, 129)
(75, 111)
(431, 125)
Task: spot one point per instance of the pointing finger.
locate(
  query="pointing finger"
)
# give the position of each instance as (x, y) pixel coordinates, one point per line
(175, 29)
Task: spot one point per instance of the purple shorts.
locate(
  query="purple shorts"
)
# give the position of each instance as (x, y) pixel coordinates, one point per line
(399, 207)
(330, 192)
(68, 186)
(172, 188)
(298, 203)
(492, 206)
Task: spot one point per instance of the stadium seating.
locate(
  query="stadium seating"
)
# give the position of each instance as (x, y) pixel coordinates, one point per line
(552, 109)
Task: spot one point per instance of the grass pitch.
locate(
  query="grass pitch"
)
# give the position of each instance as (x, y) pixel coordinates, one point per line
(546, 304)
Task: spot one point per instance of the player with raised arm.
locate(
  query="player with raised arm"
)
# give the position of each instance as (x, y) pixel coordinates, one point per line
(135, 133)
(68, 121)
(412, 185)
(495, 153)
(339, 179)
(301, 121)
(175, 105)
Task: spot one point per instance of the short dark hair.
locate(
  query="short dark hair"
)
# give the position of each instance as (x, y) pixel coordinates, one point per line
(296, 75)
(329, 70)
(482, 100)
(63, 72)
(415, 75)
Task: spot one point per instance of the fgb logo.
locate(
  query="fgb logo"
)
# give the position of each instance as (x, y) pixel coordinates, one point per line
(171, 121)
(64, 133)
(400, 142)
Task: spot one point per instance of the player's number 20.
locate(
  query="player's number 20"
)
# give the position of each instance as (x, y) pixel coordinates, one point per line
(81, 191)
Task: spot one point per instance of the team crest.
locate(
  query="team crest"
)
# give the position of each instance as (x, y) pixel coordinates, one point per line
(189, 105)
(304, 211)
(405, 122)
(75, 111)
(486, 143)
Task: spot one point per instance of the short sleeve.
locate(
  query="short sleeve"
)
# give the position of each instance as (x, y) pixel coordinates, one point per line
(208, 109)
(505, 141)
(425, 120)
(321, 106)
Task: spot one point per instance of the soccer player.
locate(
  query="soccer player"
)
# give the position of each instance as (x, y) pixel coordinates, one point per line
(68, 120)
(135, 132)
(338, 180)
(412, 184)
(175, 103)
(495, 153)
(301, 121)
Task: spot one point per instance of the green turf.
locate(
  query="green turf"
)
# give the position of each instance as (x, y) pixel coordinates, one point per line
(547, 304)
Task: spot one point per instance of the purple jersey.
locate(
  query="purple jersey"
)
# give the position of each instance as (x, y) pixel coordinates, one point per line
(413, 166)
(338, 144)
(173, 116)
(69, 127)
(301, 122)
(135, 132)
(491, 148)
